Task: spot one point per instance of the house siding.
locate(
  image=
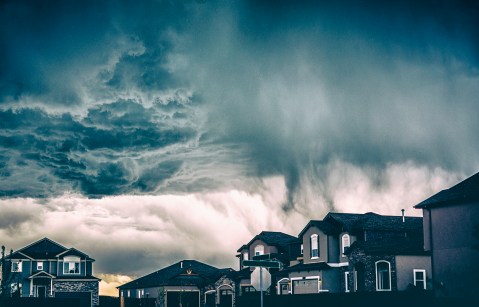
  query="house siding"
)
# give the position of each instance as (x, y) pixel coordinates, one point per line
(405, 266)
(323, 245)
(369, 262)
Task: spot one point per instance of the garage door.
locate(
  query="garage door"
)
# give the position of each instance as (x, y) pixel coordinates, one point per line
(305, 286)
(183, 299)
(81, 299)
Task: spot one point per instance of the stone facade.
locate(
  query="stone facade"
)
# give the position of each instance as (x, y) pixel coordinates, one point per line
(369, 262)
(78, 286)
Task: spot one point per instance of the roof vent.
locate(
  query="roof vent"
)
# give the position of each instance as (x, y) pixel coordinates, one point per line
(403, 217)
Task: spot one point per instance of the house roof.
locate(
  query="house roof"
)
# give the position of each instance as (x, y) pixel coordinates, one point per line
(397, 246)
(464, 191)
(182, 273)
(301, 267)
(335, 222)
(45, 249)
(273, 238)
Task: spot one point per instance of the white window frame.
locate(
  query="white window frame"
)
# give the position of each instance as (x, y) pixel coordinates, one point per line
(245, 256)
(345, 237)
(259, 250)
(422, 281)
(377, 276)
(19, 266)
(314, 239)
(71, 261)
(346, 282)
(40, 266)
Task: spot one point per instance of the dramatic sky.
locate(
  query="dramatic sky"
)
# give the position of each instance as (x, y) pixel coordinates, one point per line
(145, 132)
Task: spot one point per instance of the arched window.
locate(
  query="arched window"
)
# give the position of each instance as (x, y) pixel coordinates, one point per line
(383, 276)
(345, 243)
(259, 250)
(314, 246)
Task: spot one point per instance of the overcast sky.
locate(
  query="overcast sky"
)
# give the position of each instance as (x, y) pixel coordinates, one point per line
(146, 132)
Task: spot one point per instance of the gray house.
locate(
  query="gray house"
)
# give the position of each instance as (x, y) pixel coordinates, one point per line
(451, 233)
(359, 252)
(48, 269)
(185, 283)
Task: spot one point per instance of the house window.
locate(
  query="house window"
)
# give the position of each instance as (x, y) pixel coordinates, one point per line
(420, 278)
(345, 243)
(346, 281)
(71, 265)
(141, 293)
(16, 289)
(245, 256)
(40, 266)
(314, 246)
(302, 249)
(383, 276)
(259, 250)
(16, 265)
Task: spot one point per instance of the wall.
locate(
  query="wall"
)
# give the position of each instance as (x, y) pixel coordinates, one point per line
(323, 245)
(405, 266)
(455, 249)
(78, 286)
(369, 262)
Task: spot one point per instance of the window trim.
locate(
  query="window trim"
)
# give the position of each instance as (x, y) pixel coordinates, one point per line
(347, 276)
(423, 271)
(343, 246)
(314, 238)
(40, 266)
(19, 266)
(245, 256)
(71, 259)
(257, 252)
(377, 276)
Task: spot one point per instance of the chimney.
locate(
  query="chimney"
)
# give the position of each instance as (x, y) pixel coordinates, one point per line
(403, 217)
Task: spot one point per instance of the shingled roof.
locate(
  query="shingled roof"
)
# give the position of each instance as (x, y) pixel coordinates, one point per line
(182, 273)
(398, 246)
(464, 191)
(273, 238)
(46, 249)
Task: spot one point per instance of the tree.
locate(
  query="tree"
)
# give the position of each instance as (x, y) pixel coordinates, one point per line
(8, 280)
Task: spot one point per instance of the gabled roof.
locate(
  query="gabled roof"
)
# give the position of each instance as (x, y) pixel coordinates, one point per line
(273, 238)
(44, 249)
(324, 226)
(464, 191)
(396, 246)
(182, 273)
(41, 274)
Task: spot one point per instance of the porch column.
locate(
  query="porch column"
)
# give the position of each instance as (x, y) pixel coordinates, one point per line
(51, 286)
(31, 286)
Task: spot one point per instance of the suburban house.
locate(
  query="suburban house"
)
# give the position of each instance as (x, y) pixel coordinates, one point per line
(48, 269)
(280, 246)
(358, 252)
(185, 283)
(451, 234)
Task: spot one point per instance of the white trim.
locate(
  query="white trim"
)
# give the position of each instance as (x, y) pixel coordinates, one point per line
(307, 277)
(346, 282)
(314, 238)
(338, 265)
(208, 292)
(376, 271)
(343, 246)
(424, 275)
(278, 286)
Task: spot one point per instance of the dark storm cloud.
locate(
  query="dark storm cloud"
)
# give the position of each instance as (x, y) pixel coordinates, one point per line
(119, 97)
(62, 149)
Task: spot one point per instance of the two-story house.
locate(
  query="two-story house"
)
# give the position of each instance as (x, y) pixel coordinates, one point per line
(451, 234)
(48, 269)
(340, 254)
(280, 246)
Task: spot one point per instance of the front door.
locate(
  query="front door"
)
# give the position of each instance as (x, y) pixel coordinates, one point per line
(41, 291)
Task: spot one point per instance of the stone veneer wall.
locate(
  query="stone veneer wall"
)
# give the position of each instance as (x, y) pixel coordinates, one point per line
(78, 286)
(369, 262)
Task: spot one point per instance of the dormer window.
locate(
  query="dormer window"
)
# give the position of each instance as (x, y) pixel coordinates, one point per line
(259, 250)
(40, 266)
(345, 243)
(314, 246)
(16, 265)
(71, 265)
